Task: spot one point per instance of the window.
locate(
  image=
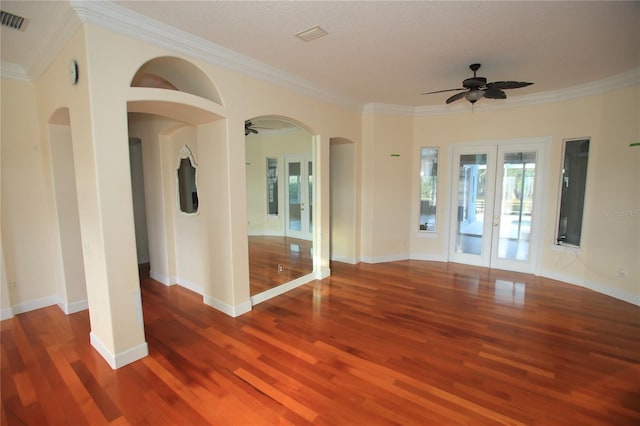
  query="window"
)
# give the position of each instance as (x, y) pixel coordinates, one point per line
(572, 192)
(272, 186)
(428, 188)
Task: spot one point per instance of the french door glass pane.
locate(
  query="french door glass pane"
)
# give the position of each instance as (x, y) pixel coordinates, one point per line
(310, 209)
(272, 186)
(518, 179)
(428, 188)
(471, 201)
(295, 210)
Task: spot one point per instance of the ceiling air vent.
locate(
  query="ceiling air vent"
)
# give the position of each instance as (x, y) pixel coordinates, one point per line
(311, 33)
(12, 21)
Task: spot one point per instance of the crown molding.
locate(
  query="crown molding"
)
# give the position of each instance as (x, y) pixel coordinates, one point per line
(56, 36)
(109, 15)
(388, 109)
(13, 71)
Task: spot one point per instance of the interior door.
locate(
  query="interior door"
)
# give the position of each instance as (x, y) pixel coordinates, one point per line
(299, 193)
(495, 204)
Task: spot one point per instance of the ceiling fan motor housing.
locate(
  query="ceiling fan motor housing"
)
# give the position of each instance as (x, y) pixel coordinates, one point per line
(474, 82)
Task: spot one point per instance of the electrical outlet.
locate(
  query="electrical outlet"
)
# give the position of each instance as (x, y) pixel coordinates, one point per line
(622, 272)
(13, 284)
(280, 268)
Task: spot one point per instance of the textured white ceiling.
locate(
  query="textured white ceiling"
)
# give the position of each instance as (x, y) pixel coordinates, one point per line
(391, 51)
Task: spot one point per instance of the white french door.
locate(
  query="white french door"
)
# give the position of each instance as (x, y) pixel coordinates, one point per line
(299, 197)
(496, 205)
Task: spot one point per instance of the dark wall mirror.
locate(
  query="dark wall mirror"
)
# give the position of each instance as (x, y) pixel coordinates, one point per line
(187, 187)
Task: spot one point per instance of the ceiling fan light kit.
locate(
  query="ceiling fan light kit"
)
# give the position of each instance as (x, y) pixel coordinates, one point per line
(476, 88)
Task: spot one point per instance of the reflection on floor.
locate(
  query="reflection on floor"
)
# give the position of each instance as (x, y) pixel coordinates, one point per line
(267, 253)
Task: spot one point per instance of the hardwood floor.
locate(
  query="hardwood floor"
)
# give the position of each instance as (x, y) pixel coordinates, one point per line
(266, 253)
(407, 342)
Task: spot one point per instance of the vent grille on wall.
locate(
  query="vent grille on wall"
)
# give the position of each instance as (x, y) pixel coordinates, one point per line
(12, 21)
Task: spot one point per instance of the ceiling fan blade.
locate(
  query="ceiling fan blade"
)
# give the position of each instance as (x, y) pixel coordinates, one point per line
(493, 92)
(502, 85)
(442, 91)
(456, 97)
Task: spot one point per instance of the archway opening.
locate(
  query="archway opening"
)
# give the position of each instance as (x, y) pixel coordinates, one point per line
(343, 201)
(72, 289)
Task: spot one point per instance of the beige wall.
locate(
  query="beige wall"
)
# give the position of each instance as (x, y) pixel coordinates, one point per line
(28, 225)
(387, 160)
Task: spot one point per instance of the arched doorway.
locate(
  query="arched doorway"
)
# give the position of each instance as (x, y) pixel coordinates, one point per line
(72, 291)
(344, 202)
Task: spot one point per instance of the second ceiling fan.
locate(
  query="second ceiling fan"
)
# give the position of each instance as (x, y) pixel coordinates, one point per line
(476, 88)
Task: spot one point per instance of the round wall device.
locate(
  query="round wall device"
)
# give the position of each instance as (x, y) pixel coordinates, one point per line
(73, 71)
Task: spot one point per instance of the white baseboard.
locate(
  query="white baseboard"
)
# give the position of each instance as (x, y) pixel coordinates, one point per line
(597, 287)
(163, 279)
(344, 259)
(32, 305)
(73, 307)
(197, 288)
(281, 289)
(614, 292)
(231, 310)
(383, 259)
(322, 273)
(121, 359)
(6, 313)
(429, 257)
(262, 233)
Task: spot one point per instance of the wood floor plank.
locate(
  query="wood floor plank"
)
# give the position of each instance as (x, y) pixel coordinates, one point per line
(281, 397)
(408, 342)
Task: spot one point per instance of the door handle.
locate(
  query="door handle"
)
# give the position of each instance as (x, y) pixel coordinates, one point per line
(496, 220)
(301, 207)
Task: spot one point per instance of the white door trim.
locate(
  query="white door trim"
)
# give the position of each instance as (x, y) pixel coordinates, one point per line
(542, 146)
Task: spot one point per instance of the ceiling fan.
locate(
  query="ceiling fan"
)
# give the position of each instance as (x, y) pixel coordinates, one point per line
(476, 88)
(251, 128)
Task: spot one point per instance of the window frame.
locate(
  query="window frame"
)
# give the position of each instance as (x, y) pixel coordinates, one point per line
(558, 235)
